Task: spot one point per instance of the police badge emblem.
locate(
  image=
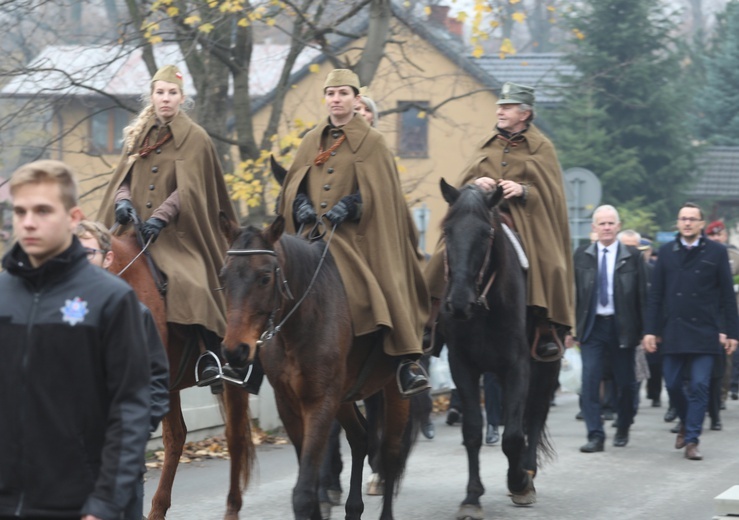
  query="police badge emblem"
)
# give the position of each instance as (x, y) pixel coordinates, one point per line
(74, 311)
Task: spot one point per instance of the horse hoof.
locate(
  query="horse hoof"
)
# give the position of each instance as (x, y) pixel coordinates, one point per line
(325, 510)
(375, 485)
(470, 512)
(526, 499)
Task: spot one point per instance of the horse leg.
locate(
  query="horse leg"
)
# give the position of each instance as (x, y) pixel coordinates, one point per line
(355, 427)
(329, 488)
(240, 447)
(467, 380)
(395, 445)
(516, 381)
(544, 376)
(174, 432)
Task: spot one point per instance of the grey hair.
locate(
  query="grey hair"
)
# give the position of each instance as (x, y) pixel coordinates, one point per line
(372, 108)
(605, 207)
(628, 233)
(523, 107)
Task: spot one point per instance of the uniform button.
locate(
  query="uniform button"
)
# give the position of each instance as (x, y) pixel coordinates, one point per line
(151, 187)
(335, 135)
(148, 204)
(158, 150)
(506, 150)
(326, 187)
(679, 294)
(333, 153)
(324, 204)
(330, 170)
(504, 163)
(154, 169)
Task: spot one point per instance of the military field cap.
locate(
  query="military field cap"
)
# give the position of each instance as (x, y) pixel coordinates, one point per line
(340, 78)
(715, 227)
(170, 74)
(512, 94)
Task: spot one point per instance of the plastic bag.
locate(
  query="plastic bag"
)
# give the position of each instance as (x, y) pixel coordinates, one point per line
(570, 374)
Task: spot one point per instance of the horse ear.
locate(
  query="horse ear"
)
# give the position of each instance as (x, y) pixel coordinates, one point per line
(273, 233)
(449, 192)
(277, 170)
(229, 228)
(495, 197)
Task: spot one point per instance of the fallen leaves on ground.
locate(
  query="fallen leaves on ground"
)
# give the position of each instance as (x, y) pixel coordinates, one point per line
(213, 448)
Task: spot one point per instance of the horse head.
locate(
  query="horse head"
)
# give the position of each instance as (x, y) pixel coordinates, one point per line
(251, 284)
(471, 228)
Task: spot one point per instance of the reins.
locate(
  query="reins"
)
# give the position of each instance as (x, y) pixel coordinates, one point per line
(160, 283)
(482, 295)
(283, 287)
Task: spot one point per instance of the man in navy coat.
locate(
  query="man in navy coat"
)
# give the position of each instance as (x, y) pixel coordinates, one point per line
(691, 302)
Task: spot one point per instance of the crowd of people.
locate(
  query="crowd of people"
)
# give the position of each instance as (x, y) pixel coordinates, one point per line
(76, 435)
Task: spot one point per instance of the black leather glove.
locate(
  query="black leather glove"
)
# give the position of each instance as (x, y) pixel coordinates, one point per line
(348, 207)
(124, 212)
(151, 229)
(303, 210)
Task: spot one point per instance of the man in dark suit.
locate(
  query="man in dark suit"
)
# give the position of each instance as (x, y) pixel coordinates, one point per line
(610, 296)
(691, 302)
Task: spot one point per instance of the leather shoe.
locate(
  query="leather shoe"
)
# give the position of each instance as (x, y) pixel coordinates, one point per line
(492, 436)
(608, 415)
(680, 439)
(579, 416)
(547, 350)
(656, 403)
(671, 414)
(692, 452)
(676, 428)
(428, 430)
(592, 446)
(716, 425)
(210, 371)
(453, 416)
(412, 378)
(621, 439)
(734, 396)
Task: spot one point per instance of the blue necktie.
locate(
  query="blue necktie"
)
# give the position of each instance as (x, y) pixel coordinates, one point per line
(603, 280)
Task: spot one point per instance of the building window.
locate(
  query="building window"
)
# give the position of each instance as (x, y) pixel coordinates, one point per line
(413, 129)
(106, 130)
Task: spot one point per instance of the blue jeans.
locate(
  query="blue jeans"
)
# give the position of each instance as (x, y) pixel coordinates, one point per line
(600, 348)
(690, 397)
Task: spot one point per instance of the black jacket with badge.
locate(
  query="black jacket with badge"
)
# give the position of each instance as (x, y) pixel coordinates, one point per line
(629, 293)
(74, 388)
(692, 298)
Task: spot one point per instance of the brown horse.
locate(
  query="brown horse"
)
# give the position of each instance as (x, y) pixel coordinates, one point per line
(285, 295)
(183, 347)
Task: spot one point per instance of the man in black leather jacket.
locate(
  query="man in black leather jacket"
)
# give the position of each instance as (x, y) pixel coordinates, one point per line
(610, 295)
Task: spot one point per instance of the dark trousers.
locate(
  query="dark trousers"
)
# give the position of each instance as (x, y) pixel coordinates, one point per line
(654, 383)
(601, 347)
(491, 388)
(714, 390)
(734, 360)
(689, 395)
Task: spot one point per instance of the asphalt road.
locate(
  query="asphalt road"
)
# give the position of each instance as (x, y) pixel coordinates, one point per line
(648, 479)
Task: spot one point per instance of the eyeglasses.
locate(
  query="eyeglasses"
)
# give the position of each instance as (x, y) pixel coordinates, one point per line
(91, 252)
(689, 219)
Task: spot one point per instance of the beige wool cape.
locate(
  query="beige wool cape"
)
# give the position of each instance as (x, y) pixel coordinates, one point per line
(541, 220)
(190, 249)
(376, 257)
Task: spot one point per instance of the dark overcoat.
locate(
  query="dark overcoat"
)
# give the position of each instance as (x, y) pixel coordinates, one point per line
(691, 298)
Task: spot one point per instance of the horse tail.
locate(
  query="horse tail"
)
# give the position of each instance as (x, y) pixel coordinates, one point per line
(544, 379)
(234, 407)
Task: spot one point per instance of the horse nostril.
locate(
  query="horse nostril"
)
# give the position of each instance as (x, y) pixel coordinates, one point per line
(239, 356)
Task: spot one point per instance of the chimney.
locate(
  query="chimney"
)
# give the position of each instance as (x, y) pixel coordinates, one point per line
(439, 14)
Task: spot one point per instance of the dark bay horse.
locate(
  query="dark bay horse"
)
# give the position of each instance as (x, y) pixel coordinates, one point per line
(183, 347)
(484, 321)
(284, 295)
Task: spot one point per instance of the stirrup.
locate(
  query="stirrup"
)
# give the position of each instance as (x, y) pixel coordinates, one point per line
(407, 394)
(210, 380)
(231, 375)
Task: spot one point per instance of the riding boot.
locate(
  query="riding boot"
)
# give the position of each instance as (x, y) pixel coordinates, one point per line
(433, 340)
(412, 378)
(207, 362)
(550, 346)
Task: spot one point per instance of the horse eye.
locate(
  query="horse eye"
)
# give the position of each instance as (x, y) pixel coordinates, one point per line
(265, 280)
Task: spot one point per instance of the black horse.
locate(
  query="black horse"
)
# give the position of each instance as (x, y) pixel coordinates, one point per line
(484, 322)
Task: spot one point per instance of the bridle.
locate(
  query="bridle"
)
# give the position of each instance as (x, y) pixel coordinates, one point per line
(281, 288)
(481, 294)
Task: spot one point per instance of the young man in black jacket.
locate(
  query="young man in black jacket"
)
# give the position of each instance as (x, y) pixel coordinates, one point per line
(74, 381)
(97, 241)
